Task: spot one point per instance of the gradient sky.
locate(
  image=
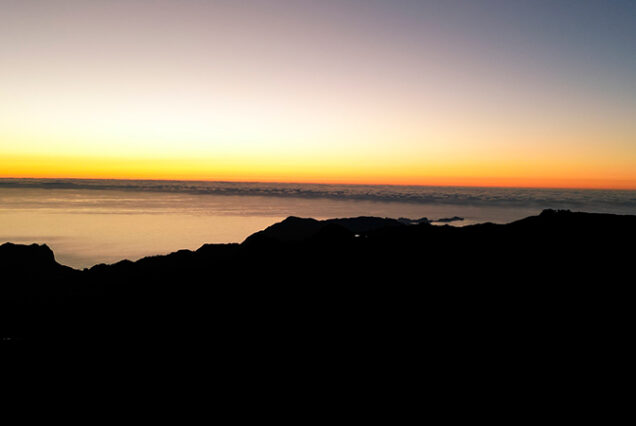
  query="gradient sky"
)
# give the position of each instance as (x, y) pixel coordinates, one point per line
(505, 93)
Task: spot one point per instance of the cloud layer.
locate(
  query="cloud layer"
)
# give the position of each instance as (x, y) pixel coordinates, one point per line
(623, 200)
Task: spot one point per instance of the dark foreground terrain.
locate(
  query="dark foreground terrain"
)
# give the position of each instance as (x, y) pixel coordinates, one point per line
(550, 287)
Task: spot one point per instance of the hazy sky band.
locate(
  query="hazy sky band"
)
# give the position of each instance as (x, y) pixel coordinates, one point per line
(534, 93)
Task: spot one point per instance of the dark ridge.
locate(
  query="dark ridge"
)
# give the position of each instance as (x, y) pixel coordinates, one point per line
(364, 224)
(449, 219)
(407, 221)
(298, 229)
(374, 290)
(291, 229)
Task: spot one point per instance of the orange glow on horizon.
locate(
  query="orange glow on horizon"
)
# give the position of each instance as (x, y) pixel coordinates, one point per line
(237, 171)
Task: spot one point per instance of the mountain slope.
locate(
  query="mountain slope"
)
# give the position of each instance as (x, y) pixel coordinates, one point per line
(335, 276)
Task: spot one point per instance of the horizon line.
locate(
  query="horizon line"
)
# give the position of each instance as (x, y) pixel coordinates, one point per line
(342, 183)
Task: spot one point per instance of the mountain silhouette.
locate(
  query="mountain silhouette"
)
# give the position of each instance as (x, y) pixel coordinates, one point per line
(359, 291)
(297, 229)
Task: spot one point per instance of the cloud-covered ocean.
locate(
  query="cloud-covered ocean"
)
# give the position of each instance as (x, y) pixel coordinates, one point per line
(609, 200)
(94, 221)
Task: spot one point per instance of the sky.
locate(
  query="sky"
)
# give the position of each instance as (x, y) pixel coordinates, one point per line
(475, 93)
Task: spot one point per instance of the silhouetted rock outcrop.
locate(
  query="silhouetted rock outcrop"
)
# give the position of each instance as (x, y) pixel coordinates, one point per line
(33, 258)
(32, 276)
(407, 221)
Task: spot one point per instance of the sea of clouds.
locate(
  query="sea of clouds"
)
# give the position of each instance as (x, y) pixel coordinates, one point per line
(623, 201)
